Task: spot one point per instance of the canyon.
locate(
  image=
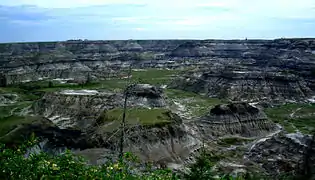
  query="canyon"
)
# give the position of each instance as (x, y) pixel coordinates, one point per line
(249, 102)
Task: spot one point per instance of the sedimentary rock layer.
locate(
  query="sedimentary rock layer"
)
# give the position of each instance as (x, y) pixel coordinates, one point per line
(30, 61)
(235, 119)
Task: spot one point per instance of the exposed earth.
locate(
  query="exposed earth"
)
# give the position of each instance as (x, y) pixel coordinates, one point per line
(249, 102)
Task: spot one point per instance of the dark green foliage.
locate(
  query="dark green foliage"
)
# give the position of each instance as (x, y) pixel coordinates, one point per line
(3, 80)
(50, 84)
(233, 140)
(14, 165)
(29, 86)
(201, 169)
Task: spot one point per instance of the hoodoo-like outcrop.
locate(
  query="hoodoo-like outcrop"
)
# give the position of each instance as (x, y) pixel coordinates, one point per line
(107, 48)
(235, 119)
(152, 132)
(191, 49)
(286, 153)
(145, 90)
(248, 85)
(132, 46)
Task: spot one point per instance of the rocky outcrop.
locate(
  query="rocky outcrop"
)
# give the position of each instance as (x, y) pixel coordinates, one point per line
(6, 99)
(80, 108)
(191, 49)
(283, 153)
(235, 119)
(45, 129)
(162, 145)
(248, 84)
(85, 111)
(145, 90)
(30, 61)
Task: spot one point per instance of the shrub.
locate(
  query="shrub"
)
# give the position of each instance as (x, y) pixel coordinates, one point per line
(15, 165)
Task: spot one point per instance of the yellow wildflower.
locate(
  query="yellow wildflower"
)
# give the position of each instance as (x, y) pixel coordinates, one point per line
(116, 166)
(55, 167)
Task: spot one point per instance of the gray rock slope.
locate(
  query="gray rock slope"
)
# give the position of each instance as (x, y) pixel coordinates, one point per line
(248, 84)
(240, 119)
(31, 61)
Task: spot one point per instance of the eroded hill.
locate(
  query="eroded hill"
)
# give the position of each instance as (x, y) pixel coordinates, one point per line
(241, 100)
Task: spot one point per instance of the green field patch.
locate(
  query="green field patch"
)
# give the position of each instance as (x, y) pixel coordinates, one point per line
(111, 119)
(147, 76)
(11, 122)
(154, 76)
(233, 140)
(294, 116)
(196, 103)
(11, 109)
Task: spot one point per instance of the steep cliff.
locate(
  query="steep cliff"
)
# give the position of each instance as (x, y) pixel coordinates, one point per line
(30, 61)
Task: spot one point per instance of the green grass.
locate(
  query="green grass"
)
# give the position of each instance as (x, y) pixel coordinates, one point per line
(175, 93)
(140, 115)
(9, 117)
(58, 87)
(6, 111)
(196, 103)
(303, 119)
(31, 91)
(24, 95)
(150, 76)
(155, 76)
(10, 122)
(233, 140)
(147, 117)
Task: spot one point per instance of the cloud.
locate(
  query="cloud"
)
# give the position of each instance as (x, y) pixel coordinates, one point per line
(147, 18)
(139, 29)
(68, 3)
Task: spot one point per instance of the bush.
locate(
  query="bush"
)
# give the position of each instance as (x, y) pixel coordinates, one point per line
(15, 165)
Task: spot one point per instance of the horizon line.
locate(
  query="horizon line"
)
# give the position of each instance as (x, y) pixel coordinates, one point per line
(155, 39)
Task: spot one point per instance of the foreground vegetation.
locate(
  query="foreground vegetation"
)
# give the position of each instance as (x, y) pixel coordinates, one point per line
(17, 163)
(14, 164)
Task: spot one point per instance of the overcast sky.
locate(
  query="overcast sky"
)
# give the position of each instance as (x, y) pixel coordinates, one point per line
(45, 20)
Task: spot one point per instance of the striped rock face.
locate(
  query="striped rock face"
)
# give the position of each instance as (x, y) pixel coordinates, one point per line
(240, 119)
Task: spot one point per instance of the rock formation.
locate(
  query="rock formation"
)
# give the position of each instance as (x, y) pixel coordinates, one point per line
(80, 108)
(248, 85)
(46, 130)
(239, 119)
(238, 70)
(283, 152)
(30, 61)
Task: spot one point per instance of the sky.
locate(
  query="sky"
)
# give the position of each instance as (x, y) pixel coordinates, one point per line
(44, 20)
